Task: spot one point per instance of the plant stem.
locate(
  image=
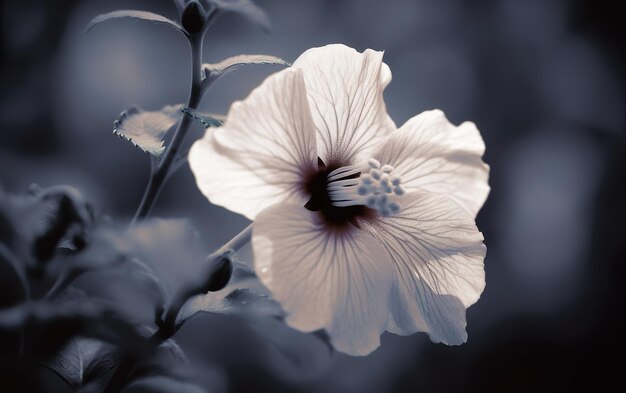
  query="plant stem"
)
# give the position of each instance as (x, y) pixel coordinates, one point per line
(163, 169)
(236, 242)
(153, 189)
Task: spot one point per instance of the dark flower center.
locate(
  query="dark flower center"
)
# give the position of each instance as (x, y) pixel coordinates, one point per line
(338, 218)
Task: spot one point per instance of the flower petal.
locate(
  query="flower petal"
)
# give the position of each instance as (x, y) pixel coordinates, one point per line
(262, 152)
(431, 154)
(345, 90)
(438, 255)
(324, 279)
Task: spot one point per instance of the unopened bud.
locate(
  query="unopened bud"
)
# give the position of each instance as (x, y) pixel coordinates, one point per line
(221, 274)
(193, 17)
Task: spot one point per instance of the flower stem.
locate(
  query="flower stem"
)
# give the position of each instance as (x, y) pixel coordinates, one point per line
(236, 242)
(165, 165)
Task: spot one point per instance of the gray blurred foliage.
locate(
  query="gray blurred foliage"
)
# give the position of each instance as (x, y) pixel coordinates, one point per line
(96, 294)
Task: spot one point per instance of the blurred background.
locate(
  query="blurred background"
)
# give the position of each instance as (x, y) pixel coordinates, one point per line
(543, 80)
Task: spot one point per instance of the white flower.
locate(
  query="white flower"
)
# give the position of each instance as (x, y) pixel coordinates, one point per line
(359, 227)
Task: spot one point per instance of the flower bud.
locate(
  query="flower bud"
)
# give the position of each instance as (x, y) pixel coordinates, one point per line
(221, 274)
(193, 17)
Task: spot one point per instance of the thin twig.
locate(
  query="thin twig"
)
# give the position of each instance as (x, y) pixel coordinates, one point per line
(163, 169)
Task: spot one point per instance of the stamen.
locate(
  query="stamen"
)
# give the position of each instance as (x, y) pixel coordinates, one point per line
(371, 189)
(344, 171)
(373, 163)
(387, 168)
(340, 183)
(394, 207)
(366, 179)
(346, 203)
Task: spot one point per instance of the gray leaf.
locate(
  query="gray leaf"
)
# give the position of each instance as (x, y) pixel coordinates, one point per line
(215, 70)
(134, 14)
(206, 120)
(242, 302)
(146, 130)
(83, 360)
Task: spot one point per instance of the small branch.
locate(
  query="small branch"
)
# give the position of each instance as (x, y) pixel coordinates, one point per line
(165, 166)
(236, 242)
(198, 89)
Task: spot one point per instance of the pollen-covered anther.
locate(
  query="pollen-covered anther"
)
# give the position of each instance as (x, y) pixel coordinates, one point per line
(372, 188)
